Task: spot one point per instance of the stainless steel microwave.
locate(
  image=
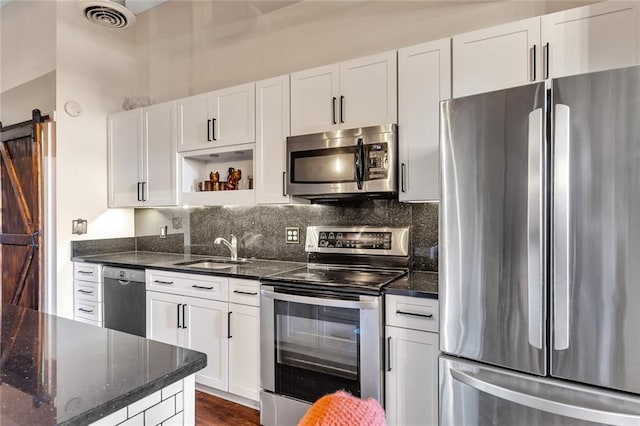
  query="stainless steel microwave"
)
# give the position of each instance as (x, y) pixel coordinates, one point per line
(343, 164)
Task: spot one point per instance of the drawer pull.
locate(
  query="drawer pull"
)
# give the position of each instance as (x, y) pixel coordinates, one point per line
(85, 272)
(204, 287)
(163, 282)
(249, 293)
(85, 310)
(413, 314)
(84, 291)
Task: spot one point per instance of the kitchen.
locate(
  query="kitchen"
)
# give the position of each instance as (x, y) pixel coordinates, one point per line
(168, 75)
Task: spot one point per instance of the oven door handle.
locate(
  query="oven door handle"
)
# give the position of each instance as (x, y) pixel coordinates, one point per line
(334, 303)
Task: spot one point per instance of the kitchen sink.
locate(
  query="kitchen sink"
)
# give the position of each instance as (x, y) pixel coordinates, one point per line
(214, 263)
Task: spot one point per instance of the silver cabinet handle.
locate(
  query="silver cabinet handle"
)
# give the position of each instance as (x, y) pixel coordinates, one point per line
(535, 227)
(389, 353)
(532, 63)
(163, 282)
(203, 287)
(85, 310)
(250, 293)
(414, 314)
(403, 177)
(84, 291)
(318, 301)
(85, 272)
(562, 226)
(580, 411)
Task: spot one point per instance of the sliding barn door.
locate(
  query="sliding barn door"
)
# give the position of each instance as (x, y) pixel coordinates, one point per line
(21, 214)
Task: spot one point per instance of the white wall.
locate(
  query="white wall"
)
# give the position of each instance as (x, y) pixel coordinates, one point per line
(17, 103)
(190, 47)
(95, 67)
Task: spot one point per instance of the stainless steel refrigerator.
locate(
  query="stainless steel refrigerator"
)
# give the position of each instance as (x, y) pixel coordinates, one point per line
(540, 254)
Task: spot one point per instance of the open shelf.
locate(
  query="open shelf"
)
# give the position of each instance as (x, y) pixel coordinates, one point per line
(197, 165)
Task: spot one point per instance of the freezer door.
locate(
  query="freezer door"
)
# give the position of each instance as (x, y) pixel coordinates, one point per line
(596, 229)
(475, 394)
(492, 246)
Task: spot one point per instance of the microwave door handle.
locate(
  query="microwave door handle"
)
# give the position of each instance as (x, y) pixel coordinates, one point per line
(360, 164)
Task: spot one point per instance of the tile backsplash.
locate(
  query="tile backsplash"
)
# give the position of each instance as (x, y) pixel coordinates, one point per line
(261, 229)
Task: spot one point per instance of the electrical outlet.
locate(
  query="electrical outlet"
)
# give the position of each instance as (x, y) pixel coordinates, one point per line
(79, 226)
(163, 232)
(292, 235)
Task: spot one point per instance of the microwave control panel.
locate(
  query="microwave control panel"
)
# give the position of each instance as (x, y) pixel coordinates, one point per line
(378, 161)
(355, 240)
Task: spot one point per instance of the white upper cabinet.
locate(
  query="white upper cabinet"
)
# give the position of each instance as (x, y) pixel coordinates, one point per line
(159, 148)
(142, 157)
(272, 129)
(314, 100)
(124, 152)
(424, 79)
(591, 38)
(496, 58)
(357, 93)
(219, 118)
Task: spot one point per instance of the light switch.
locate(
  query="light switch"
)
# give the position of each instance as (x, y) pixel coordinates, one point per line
(79, 226)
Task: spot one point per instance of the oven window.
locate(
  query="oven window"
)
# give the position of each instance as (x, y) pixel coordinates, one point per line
(317, 350)
(332, 165)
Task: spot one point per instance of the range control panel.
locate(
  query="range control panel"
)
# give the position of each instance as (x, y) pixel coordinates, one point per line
(357, 240)
(386, 241)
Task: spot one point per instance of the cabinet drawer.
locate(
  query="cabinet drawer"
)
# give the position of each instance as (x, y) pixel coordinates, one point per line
(86, 290)
(88, 310)
(245, 292)
(203, 286)
(87, 271)
(412, 312)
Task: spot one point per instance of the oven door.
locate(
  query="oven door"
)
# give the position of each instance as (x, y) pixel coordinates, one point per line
(313, 344)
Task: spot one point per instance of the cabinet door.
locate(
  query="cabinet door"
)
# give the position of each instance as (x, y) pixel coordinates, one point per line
(412, 377)
(244, 351)
(272, 129)
(496, 58)
(162, 317)
(234, 114)
(314, 100)
(424, 79)
(195, 126)
(368, 91)
(161, 186)
(591, 38)
(206, 331)
(125, 158)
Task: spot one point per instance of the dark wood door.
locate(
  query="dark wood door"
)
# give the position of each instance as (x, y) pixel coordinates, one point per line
(21, 215)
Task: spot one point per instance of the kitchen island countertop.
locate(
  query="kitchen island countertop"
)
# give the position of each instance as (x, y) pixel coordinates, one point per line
(252, 269)
(56, 371)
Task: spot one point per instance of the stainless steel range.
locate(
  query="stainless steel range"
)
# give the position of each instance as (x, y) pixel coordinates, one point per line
(322, 324)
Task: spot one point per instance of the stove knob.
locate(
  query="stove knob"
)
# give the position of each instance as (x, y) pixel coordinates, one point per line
(339, 236)
(323, 235)
(324, 243)
(338, 244)
(331, 236)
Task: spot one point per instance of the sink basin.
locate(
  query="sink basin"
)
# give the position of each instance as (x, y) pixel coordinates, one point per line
(208, 265)
(214, 263)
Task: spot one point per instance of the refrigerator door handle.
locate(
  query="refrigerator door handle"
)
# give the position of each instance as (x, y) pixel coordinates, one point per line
(562, 228)
(581, 410)
(535, 221)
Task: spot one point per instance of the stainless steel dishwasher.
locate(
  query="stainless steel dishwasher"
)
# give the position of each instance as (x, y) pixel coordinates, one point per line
(124, 300)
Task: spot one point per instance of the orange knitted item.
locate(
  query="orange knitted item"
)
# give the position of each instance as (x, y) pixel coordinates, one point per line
(340, 408)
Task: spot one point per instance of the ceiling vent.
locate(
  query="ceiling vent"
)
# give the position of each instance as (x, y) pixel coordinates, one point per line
(107, 13)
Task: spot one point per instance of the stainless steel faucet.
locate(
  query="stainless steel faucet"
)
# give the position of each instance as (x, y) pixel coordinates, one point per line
(232, 246)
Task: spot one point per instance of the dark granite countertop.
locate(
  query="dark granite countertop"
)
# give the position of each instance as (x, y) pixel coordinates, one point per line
(254, 268)
(415, 284)
(54, 371)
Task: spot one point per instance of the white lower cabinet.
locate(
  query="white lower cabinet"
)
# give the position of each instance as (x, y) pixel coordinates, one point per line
(411, 378)
(87, 293)
(228, 333)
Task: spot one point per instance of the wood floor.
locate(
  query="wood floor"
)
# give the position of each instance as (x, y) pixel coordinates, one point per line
(211, 411)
